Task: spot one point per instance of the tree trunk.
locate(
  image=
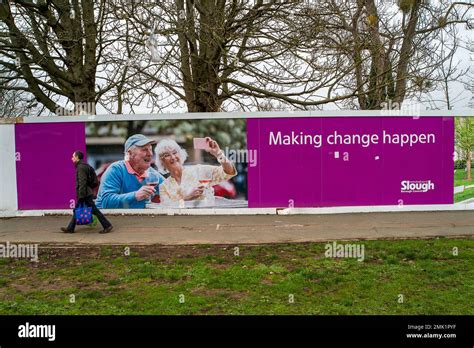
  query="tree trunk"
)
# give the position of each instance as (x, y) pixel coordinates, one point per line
(405, 54)
(468, 165)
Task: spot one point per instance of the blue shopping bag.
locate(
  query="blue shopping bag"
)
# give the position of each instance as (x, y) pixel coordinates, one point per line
(83, 214)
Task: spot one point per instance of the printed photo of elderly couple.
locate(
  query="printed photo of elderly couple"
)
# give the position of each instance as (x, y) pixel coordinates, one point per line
(168, 164)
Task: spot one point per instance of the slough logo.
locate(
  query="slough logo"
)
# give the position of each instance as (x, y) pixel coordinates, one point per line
(417, 186)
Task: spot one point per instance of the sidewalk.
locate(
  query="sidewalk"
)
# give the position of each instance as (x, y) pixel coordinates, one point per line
(180, 230)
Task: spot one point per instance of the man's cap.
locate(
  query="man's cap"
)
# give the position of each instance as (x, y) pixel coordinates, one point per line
(138, 140)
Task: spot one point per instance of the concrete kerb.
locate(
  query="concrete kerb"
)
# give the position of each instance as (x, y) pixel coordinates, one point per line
(248, 211)
(135, 244)
(143, 212)
(377, 209)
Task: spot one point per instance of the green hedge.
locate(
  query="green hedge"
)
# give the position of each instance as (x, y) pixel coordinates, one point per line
(461, 164)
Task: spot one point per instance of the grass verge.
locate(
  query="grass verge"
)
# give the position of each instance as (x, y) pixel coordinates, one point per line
(265, 279)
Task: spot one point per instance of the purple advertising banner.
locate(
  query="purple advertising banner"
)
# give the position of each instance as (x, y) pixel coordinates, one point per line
(46, 177)
(356, 161)
(294, 162)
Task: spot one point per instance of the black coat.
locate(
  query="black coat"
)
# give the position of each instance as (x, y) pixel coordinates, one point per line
(82, 174)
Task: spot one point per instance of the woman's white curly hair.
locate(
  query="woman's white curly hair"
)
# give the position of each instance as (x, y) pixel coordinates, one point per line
(168, 145)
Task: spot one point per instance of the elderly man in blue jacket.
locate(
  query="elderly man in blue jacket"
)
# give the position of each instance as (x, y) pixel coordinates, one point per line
(123, 183)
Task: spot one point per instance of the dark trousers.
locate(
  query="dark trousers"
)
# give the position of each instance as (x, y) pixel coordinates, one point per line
(90, 203)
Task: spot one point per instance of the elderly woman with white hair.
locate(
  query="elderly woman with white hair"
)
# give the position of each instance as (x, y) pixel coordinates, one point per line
(194, 182)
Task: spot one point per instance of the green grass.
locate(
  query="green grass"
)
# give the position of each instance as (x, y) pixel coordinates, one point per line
(462, 196)
(459, 178)
(211, 280)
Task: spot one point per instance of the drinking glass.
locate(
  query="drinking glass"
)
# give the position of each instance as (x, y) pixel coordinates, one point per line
(205, 178)
(152, 180)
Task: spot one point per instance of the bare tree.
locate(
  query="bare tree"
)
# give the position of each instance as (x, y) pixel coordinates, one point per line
(222, 55)
(449, 71)
(14, 102)
(247, 55)
(55, 47)
(391, 51)
(213, 55)
(469, 82)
